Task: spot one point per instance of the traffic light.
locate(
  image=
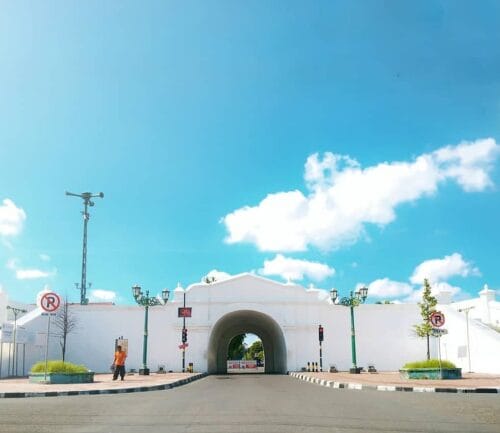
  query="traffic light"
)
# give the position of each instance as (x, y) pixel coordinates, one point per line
(320, 333)
(184, 335)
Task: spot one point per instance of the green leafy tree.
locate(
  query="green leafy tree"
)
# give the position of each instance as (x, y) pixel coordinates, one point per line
(236, 349)
(427, 305)
(255, 351)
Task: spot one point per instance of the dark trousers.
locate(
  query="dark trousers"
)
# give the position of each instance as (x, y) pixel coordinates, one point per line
(119, 370)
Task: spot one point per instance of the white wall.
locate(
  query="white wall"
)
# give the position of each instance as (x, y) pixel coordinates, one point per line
(484, 343)
(385, 336)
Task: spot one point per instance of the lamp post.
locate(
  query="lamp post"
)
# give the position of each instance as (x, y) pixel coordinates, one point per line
(146, 301)
(16, 312)
(352, 301)
(86, 196)
(466, 310)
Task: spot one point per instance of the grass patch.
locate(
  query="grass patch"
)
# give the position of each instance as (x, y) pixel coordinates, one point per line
(431, 363)
(58, 367)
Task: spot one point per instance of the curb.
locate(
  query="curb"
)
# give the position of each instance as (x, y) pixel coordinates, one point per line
(359, 386)
(104, 391)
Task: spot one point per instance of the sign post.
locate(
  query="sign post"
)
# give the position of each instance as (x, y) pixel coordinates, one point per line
(437, 320)
(49, 302)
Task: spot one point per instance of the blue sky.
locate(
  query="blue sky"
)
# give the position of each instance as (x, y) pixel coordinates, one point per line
(332, 143)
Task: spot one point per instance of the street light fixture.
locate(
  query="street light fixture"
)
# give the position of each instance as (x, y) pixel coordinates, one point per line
(146, 301)
(86, 196)
(355, 299)
(16, 312)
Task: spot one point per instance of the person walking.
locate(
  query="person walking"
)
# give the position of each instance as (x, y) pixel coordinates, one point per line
(119, 363)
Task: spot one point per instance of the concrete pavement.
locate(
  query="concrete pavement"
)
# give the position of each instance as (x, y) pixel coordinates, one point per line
(253, 404)
(384, 381)
(103, 384)
(392, 381)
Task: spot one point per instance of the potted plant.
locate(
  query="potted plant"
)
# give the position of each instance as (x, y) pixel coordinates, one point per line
(60, 372)
(431, 369)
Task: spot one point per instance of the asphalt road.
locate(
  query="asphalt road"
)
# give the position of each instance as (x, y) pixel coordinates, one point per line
(253, 403)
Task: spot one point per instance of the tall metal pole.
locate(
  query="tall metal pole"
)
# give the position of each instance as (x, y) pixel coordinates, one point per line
(146, 302)
(16, 312)
(468, 340)
(86, 196)
(353, 338)
(83, 284)
(352, 301)
(466, 311)
(145, 343)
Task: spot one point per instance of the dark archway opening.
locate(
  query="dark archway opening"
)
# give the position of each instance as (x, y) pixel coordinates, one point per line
(244, 322)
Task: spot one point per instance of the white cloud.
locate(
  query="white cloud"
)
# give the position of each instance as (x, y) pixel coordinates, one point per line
(436, 288)
(28, 273)
(11, 218)
(99, 295)
(438, 270)
(295, 269)
(386, 288)
(469, 164)
(32, 274)
(343, 198)
(217, 275)
(44, 257)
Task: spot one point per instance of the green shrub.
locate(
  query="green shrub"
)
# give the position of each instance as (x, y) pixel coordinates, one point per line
(431, 363)
(58, 367)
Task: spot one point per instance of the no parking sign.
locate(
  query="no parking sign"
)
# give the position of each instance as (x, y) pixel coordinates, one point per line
(437, 319)
(50, 302)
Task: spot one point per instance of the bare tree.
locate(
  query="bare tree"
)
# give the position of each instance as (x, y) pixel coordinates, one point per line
(65, 323)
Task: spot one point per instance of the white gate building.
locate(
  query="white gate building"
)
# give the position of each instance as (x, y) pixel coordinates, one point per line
(285, 316)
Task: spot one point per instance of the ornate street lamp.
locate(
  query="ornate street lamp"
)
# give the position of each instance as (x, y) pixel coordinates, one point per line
(146, 301)
(355, 299)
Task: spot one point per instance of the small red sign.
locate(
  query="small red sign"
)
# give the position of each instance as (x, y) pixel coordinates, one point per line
(50, 302)
(184, 312)
(183, 345)
(437, 319)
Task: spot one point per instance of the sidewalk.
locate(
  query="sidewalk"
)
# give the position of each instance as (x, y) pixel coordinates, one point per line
(103, 384)
(392, 381)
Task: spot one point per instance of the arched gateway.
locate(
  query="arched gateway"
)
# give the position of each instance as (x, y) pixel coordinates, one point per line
(285, 316)
(241, 322)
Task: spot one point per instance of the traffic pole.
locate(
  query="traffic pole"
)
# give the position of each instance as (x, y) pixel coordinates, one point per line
(184, 343)
(320, 356)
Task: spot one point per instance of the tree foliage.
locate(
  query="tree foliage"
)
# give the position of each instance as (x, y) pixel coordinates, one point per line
(236, 349)
(255, 351)
(424, 329)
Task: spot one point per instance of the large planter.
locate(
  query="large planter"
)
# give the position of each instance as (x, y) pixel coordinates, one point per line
(431, 373)
(87, 377)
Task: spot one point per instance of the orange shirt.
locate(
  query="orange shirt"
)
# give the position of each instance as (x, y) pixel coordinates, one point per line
(120, 358)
